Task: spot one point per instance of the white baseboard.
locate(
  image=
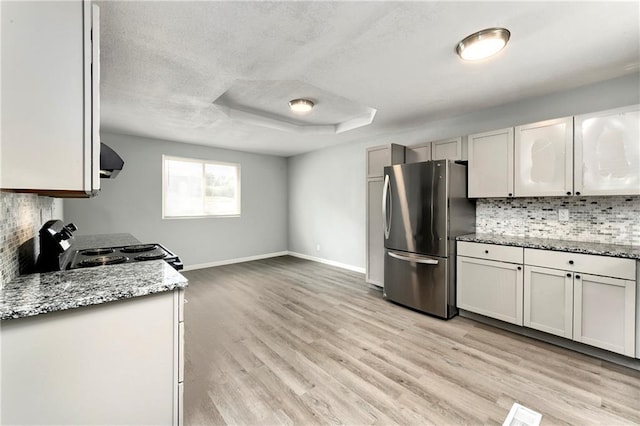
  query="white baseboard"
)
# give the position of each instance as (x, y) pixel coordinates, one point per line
(276, 254)
(237, 260)
(328, 262)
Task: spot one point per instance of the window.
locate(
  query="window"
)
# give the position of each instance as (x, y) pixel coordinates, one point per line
(196, 188)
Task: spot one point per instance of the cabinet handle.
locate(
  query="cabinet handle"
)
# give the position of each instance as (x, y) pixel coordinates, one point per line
(486, 252)
(568, 193)
(577, 277)
(571, 262)
(568, 275)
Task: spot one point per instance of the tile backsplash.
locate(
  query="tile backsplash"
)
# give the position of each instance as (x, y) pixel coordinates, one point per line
(614, 220)
(21, 216)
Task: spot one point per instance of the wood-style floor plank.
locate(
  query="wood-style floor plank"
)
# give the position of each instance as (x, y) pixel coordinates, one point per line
(289, 341)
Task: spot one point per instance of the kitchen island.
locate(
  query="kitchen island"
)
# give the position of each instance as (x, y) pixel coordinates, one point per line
(99, 345)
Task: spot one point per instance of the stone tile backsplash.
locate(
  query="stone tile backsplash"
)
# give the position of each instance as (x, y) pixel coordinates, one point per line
(21, 216)
(613, 220)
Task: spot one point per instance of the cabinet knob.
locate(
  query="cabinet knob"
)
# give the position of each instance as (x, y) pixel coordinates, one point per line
(510, 194)
(519, 268)
(568, 192)
(486, 252)
(577, 277)
(571, 262)
(568, 275)
(577, 192)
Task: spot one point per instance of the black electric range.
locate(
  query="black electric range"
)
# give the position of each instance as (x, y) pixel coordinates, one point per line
(57, 252)
(125, 254)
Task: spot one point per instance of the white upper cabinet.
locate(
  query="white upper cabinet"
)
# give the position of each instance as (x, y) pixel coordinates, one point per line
(378, 157)
(607, 152)
(50, 105)
(449, 149)
(418, 153)
(544, 158)
(491, 164)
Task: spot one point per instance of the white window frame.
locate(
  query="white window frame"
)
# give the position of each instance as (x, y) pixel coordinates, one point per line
(203, 162)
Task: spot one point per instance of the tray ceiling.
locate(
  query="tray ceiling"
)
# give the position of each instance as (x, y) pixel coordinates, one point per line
(164, 64)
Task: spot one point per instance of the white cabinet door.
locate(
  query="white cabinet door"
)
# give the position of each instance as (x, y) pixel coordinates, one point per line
(491, 164)
(418, 153)
(490, 288)
(604, 313)
(548, 300)
(105, 364)
(50, 139)
(378, 157)
(375, 238)
(607, 152)
(544, 158)
(449, 149)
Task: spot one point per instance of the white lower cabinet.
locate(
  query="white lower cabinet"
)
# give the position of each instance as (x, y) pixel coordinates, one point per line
(553, 294)
(490, 288)
(548, 300)
(604, 313)
(113, 363)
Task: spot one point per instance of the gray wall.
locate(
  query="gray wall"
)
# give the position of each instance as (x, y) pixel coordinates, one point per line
(327, 204)
(327, 187)
(132, 202)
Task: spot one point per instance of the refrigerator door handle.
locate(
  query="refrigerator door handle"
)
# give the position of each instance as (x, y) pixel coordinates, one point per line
(386, 218)
(424, 260)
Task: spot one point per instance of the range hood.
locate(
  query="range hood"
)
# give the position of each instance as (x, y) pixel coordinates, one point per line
(110, 162)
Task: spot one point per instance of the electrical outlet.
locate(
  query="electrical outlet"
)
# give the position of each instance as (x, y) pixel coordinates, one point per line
(563, 215)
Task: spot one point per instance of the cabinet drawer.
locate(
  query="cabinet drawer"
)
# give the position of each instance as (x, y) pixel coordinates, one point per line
(490, 251)
(585, 263)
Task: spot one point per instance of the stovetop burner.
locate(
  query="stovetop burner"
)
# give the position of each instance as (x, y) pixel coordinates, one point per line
(150, 256)
(138, 248)
(125, 254)
(102, 260)
(96, 252)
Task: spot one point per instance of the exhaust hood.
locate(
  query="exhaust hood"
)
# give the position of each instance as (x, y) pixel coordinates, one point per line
(110, 162)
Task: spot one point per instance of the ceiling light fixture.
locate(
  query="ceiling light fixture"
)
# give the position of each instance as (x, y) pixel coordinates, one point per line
(301, 106)
(482, 44)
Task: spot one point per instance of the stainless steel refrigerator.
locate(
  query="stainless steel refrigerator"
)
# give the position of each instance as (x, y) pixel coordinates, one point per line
(424, 208)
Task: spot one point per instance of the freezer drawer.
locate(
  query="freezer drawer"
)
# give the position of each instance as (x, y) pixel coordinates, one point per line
(418, 282)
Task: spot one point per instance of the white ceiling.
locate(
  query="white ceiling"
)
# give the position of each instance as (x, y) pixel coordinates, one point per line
(163, 64)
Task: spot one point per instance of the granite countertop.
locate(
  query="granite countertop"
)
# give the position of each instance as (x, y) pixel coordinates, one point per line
(83, 242)
(614, 250)
(40, 293)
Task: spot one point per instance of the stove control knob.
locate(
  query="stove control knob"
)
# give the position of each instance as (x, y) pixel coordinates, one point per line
(71, 227)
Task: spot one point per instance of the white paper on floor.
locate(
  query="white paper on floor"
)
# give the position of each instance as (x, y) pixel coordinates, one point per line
(519, 415)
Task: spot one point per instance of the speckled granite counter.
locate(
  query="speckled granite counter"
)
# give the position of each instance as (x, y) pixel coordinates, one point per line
(615, 250)
(35, 294)
(83, 242)
(39, 293)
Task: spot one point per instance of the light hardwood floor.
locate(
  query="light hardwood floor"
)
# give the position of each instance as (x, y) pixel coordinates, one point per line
(290, 341)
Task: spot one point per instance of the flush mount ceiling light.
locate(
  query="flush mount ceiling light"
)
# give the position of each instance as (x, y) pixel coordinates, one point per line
(301, 106)
(482, 44)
